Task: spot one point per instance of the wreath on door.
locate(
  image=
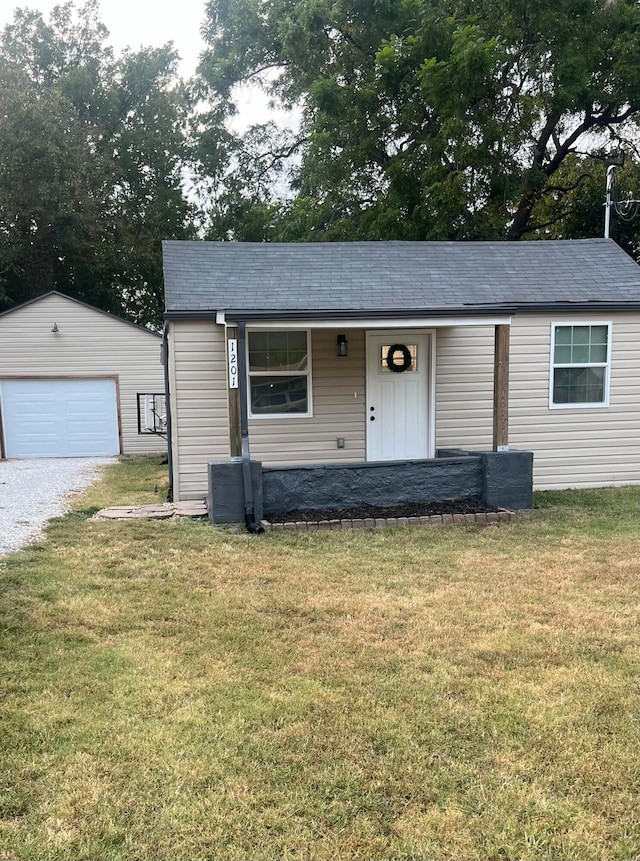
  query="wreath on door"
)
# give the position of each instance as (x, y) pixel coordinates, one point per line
(405, 364)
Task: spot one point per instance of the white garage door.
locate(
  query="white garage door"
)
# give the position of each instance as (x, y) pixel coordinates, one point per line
(59, 418)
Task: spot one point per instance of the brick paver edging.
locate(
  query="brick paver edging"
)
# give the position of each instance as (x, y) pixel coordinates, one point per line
(485, 519)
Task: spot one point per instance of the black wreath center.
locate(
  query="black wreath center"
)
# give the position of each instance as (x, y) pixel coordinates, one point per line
(406, 358)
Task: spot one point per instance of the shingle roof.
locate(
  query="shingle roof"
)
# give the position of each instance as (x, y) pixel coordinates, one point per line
(395, 276)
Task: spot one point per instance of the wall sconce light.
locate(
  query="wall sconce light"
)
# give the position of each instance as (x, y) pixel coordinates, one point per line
(55, 329)
(343, 345)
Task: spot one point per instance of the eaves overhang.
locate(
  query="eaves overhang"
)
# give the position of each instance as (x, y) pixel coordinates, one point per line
(594, 305)
(394, 315)
(336, 316)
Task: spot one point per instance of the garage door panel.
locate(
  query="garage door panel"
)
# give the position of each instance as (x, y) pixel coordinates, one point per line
(59, 418)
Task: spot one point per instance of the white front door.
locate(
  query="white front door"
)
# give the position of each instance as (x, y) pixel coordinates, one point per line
(398, 377)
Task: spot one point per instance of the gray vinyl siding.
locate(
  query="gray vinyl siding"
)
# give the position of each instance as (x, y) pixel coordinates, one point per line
(338, 394)
(88, 344)
(579, 447)
(464, 387)
(572, 447)
(199, 403)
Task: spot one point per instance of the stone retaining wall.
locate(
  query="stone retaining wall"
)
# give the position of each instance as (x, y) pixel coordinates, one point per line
(501, 480)
(391, 483)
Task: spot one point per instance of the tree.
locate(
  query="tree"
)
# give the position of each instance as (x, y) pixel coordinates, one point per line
(49, 191)
(573, 209)
(239, 179)
(147, 141)
(92, 150)
(439, 119)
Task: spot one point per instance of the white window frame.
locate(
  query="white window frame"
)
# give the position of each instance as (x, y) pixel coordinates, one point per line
(306, 372)
(606, 365)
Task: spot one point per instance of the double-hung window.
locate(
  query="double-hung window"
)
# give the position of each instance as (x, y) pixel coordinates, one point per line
(580, 365)
(279, 373)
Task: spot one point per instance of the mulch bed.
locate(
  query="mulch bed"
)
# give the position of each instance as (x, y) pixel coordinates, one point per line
(360, 512)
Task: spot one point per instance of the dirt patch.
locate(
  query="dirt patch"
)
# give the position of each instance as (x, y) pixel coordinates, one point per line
(360, 512)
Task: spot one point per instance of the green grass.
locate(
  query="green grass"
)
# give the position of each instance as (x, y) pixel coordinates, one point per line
(132, 481)
(175, 691)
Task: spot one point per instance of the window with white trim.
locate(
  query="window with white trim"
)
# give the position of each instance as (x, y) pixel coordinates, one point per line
(279, 373)
(580, 365)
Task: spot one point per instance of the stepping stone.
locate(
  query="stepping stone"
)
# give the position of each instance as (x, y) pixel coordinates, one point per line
(156, 511)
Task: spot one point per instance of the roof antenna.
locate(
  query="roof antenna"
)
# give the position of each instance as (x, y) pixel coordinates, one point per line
(626, 209)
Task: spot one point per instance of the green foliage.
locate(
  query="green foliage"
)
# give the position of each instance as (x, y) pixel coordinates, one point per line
(573, 208)
(419, 120)
(92, 150)
(240, 179)
(431, 120)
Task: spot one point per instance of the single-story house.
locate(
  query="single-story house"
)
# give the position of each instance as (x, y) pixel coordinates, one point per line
(317, 355)
(76, 381)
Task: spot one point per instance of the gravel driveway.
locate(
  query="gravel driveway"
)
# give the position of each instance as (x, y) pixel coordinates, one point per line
(33, 491)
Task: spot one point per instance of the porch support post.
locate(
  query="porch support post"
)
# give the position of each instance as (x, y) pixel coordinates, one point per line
(235, 441)
(501, 389)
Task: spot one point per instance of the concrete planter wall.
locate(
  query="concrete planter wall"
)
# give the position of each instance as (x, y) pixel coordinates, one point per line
(501, 479)
(389, 483)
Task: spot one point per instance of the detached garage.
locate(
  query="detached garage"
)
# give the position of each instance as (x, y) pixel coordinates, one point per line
(78, 382)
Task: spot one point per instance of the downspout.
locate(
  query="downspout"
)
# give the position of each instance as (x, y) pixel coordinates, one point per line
(249, 506)
(167, 399)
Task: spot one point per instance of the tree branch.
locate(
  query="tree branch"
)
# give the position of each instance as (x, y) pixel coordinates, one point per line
(533, 227)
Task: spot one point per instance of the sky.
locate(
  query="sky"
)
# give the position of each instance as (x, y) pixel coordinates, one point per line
(136, 23)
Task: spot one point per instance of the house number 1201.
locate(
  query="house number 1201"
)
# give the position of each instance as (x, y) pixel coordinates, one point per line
(232, 346)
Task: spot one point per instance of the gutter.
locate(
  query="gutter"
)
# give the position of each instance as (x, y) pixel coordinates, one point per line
(591, 305)
(167, 398)
(234, 315)
(247, 486)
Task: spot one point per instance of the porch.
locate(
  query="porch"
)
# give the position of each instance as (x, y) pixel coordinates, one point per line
(367, 390)
(273, 368)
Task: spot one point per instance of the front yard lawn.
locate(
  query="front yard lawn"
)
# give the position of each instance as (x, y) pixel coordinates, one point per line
(171, 691)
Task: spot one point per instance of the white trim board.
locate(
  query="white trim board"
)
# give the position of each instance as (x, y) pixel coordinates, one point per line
(385, 324)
